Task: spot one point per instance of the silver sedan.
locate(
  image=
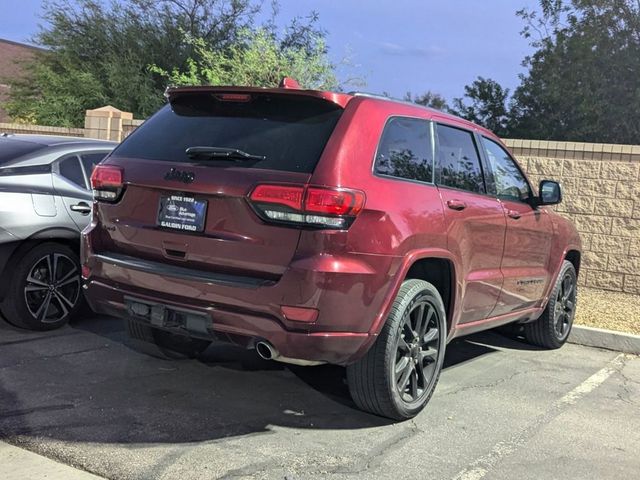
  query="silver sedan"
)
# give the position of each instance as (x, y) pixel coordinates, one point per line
(45, 202)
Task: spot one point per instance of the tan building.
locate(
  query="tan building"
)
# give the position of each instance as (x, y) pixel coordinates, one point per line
(11, 55)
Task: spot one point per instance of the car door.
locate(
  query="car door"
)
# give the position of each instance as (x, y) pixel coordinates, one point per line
(71, 182)
(475, 222)
(525, 263)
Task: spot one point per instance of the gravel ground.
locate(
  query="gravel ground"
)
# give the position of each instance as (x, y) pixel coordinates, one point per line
(610, 310)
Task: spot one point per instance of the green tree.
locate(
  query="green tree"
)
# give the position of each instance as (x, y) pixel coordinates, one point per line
(486, 103)
(428, 99)
(256, 59)
(582, 82)
(100, 52)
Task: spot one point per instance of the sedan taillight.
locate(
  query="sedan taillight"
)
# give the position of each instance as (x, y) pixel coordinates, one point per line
(319, 207)
(107, 182)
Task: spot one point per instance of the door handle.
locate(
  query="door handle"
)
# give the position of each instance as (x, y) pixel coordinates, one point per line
(514, 214)
(456, 205)
(82, 208)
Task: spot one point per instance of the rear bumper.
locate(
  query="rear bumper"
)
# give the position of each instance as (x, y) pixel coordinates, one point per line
(242, 328)
(349, 293)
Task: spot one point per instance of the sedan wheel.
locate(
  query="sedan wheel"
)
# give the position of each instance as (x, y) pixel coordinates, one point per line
(45, 291)
(52, 288)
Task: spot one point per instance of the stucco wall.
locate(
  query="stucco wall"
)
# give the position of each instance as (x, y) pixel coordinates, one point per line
(601, 186)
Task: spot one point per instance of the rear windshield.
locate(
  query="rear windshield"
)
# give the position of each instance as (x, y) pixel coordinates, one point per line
(290, 131)
(10, 149)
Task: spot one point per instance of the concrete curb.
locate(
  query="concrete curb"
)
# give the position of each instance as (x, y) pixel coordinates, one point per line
(18, 464)
(608, 339)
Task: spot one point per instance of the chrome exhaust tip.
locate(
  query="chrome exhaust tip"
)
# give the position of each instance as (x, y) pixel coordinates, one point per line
(267, 351)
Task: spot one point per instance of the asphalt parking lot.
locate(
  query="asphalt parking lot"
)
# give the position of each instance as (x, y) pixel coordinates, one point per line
(502, 410)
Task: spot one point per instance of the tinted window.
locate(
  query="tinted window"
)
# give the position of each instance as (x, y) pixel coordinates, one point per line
(11, 149)
(405, 150)
(509, 180)
(90, 160)
(71, 170)
(291, 131)
(458, 163)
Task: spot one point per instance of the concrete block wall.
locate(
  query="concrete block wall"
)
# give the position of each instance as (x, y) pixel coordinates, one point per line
(601, 186)
(106, 123)
(40, 130)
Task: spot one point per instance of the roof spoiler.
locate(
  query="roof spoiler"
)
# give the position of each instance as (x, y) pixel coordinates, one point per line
(288, 86)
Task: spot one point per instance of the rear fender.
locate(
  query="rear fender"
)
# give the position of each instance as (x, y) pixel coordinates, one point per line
(408, 261)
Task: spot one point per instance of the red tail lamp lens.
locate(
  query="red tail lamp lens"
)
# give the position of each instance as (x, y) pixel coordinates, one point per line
(333, 202)
(290, 196)
(315, 207)
(106, 177)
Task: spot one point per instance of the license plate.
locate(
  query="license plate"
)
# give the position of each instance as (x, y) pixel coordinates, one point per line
(181, 212)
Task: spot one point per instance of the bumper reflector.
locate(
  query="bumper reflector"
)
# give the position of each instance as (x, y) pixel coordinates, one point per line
(299, 314)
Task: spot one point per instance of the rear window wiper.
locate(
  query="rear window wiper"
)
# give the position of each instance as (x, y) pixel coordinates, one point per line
(222, 153)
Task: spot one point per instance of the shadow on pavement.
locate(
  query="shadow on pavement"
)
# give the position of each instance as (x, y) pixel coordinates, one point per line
(84, 384)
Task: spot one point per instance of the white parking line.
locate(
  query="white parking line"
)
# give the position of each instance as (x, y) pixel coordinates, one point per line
(482, 465)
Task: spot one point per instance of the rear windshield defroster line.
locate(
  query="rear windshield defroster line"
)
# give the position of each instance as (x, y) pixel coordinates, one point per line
(289, 131)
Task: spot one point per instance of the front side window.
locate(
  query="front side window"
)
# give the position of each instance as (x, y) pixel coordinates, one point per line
(458, 162)
(405, 150)
(509, 181)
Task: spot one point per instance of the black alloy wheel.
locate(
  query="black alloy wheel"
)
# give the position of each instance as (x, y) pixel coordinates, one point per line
(398, 375)
(553, 327)
(417, 352)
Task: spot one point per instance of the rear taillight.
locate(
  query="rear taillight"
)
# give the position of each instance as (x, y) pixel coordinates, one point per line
(319, 207)
(107, 182)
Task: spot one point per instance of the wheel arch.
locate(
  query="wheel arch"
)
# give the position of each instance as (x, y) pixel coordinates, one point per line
(440, 272)
(574, 256)
(423, 264)
(63, 236)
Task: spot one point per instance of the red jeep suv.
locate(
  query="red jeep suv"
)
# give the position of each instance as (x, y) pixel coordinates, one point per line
(321, 227)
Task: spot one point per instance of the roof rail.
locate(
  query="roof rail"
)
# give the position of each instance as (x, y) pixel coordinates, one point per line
(391, 99)
(372, 95)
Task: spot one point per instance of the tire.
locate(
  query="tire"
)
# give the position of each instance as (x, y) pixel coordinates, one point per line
(162, 344)
(35, 300)
(375, 380)
(552, 329)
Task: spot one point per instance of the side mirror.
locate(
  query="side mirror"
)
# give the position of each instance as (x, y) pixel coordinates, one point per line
(550, 193)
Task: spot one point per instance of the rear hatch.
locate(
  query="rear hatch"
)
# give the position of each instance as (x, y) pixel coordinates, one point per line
(187, 175)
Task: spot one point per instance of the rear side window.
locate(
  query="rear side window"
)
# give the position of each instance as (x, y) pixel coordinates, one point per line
(458, 164)
(405, 150)
(290, 131)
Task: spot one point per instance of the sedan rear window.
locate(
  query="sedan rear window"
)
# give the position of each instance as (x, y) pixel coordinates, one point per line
(287, 132)
(11, 149)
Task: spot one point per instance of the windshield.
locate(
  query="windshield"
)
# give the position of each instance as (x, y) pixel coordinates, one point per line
(289, 131)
